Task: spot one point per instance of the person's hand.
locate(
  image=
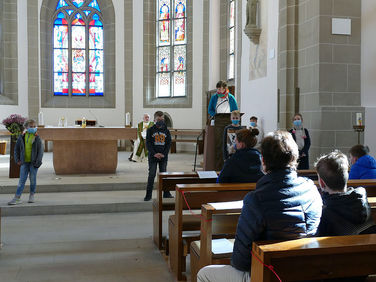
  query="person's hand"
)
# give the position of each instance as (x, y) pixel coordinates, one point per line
(304, 155)
(19, 163)
(162, 156)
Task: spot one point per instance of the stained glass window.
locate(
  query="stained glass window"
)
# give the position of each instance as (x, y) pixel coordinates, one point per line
(171, 48)
(78, 48)
(231, 44)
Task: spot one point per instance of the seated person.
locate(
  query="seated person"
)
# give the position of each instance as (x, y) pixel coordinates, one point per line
(229, 135)
(223, 101)
(345, 210)
(245, 165)
(283, 206)
(253, 124)
(363, 166)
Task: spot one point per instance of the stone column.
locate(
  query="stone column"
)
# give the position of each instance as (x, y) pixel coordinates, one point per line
(324, 67)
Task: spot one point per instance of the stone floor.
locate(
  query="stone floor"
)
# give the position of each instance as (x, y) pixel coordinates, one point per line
(83, 247)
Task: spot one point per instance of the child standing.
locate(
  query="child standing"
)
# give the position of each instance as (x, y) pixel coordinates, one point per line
(229, 135)
(28, 153)
(158, 143)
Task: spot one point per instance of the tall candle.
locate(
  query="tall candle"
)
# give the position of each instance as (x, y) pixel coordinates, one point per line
(127, 119)
(40, 119)
(359, 119)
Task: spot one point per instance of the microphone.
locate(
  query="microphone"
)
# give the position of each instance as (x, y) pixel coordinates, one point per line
(99, 125)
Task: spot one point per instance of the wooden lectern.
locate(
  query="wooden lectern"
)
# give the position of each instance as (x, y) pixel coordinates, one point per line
(213, 146)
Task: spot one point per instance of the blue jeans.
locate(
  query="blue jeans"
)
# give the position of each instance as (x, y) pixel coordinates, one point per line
(153, 162)
(26, 170)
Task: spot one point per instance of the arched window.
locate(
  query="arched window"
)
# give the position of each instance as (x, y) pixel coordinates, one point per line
(78, 48)
(231, 48)
(171, 48)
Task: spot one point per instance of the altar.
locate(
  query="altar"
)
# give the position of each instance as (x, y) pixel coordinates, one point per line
(85, 150)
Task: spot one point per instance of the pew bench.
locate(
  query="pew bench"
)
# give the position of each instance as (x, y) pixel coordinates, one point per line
(184, 133)
(167, 182)
(196, 195)
(315, 258)
(217, 217)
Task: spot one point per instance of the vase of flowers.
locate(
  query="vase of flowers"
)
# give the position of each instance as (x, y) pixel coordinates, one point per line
(14, 123)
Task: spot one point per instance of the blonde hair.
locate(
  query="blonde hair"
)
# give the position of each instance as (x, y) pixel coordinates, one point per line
(235, 113)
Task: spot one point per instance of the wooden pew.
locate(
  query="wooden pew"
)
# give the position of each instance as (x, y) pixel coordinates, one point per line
(167, 182)
(368, 184)
(184, 133)
(222, 217)
(196, 195)
(315, 258)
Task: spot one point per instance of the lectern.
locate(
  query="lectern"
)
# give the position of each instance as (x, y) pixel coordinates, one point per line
(213, 146)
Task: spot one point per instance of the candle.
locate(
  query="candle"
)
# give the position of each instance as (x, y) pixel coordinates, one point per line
(40, 118)
(127, 119)
(359, 120)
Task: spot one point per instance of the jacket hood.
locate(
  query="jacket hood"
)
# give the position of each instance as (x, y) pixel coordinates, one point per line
(355, 201)
(367, 161)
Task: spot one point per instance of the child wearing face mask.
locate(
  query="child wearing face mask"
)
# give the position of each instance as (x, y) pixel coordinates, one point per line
(254, 125)
(229, 135)
(28, 153)
(302, 139)
(158, 143)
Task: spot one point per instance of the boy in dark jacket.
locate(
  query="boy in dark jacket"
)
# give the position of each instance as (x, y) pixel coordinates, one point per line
(158, 143)
(283, 207)
(28, 153)
(346, 210)
(363, 166)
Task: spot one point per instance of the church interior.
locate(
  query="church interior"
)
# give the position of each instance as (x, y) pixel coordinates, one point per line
(93, 76)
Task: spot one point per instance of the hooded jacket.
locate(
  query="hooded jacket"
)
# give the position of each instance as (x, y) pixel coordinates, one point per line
(364, 168)
(158, 140)
(36, 151)
(345, 213)
(242, 167)
(283, 206)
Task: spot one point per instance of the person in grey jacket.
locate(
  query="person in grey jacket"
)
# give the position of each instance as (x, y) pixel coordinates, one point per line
(283, 207)
(28, 154)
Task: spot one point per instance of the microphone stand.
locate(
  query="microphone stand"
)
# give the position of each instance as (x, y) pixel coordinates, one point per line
(198, 137)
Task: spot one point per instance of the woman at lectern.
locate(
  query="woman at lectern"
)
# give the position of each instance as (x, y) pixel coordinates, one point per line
(223, 101)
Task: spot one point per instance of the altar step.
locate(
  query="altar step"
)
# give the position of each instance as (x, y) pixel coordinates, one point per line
(77, 203)
(84, 187)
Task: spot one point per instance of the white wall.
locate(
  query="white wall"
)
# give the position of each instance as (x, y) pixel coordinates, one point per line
(108, 117)
(259, 97)
(22, 107)
(368, 71)
(182, 118)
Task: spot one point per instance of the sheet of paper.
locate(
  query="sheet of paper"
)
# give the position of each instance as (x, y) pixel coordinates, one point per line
(222, 246)
(207, 174)
(227, 205)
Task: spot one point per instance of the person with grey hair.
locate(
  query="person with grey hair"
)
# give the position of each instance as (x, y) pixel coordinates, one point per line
(28, 154)
(139, 148)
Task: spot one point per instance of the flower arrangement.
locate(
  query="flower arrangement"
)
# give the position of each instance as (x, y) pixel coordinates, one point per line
(14, 123)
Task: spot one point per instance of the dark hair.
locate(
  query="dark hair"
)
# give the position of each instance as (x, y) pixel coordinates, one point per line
(221, 83)
(297, 114)
(359, 151)
(253, 117)
(279, 151)
(158, 114)
(248, 137)
(333, 168)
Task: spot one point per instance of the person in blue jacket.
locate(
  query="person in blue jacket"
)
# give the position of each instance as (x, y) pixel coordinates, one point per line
(363, 166)
(245, 164)
(223, 101)
(283, 207)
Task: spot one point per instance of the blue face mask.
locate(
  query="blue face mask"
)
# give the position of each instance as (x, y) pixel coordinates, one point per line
(32, 130)
(235, 121)
(297, 122)
(253, 124)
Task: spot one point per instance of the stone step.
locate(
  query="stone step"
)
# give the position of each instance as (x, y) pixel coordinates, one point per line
(81, 187)
(77, 203)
